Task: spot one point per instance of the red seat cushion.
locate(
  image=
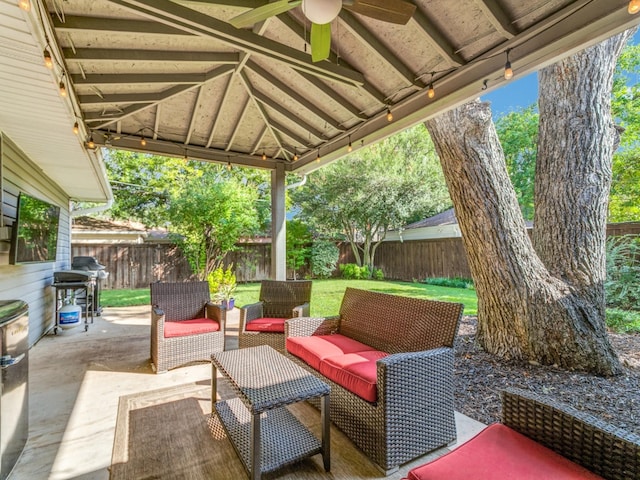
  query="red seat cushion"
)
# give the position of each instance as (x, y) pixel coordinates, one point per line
(190, 327)
(501, 453)
(275, 325)
(318, 347)
(354, 371)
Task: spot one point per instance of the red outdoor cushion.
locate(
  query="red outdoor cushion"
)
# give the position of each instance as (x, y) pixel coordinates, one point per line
(190, 327)
(501, 453)
(318, 347)
(275, 325)
(354, 371)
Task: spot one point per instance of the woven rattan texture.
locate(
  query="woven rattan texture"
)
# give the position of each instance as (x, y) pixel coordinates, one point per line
(183, 301)
(414, 413)
(264, 379)
(416, 324)
(608, 451)
(284, 439)
(278, 299)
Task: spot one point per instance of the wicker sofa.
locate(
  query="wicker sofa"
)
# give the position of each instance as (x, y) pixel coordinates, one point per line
(540, 438)
(389, 362)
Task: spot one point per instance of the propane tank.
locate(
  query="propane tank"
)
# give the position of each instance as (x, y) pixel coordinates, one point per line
(69, 315)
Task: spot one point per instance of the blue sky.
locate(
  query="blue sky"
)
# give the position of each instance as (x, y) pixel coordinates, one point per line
(520, 92)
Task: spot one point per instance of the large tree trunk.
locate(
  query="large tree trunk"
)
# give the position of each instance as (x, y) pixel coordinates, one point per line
(548, 308)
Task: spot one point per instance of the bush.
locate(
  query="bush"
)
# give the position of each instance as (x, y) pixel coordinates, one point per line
(623, 271)
(623, 321)
(222, 283)
(450, 282)
(350, 271)
(324, 258)
(378, 274)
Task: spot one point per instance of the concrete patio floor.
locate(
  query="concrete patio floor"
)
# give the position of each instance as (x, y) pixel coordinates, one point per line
(76, 380)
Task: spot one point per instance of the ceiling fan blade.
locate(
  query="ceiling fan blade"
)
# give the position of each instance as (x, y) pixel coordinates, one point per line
(253, 16)
(320, 41)
(392, 11)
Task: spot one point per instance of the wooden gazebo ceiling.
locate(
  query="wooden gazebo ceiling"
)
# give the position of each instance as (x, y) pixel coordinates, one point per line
(179, 75)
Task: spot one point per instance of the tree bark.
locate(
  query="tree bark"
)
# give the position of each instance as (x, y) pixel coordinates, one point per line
(549, 308)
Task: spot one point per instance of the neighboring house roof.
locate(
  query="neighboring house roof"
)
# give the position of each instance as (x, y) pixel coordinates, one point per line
(96, 230)
(448, 217)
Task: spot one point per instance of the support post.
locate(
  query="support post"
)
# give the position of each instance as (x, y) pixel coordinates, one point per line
(278, 224)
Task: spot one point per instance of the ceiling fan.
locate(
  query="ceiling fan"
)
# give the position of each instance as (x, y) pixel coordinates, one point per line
(322, 12)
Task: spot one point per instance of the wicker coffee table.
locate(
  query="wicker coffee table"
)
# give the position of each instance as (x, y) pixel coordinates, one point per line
(263, 432)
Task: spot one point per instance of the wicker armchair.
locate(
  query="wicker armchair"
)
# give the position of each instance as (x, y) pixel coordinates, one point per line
(185, 326)
(414, 410)
(278, 300)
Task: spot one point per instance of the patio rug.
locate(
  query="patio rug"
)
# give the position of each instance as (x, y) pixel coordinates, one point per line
(170, 434)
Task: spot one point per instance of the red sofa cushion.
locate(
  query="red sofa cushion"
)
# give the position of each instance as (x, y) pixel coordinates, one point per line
(275, 325)
(354, 371)
(318, 347)
(501, 453)
(190, 327)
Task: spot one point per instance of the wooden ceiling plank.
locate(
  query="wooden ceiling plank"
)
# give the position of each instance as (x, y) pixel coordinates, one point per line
(192, 121)
(276, 83)
(138, 78)
(298, 29)
(218, 116)
(236, 127)
(376, 46)
(498, 18)
(263, 113)
(111, 55)
(178, 16)
(339, 99)
(289, 133)
(272, 104)
(438, 40)
(256, 146)
(169, 93)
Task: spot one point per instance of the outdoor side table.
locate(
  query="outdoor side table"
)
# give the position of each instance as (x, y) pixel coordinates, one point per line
(265, 434)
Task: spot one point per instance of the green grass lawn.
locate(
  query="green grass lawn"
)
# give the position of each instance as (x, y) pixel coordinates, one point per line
(326, 295)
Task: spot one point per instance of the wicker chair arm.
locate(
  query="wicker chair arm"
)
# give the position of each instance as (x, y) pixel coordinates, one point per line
(250, 312)
(598, 446)
(157, 313)
(308, 326)
(416, 378)
(301, 310)
(217, 313)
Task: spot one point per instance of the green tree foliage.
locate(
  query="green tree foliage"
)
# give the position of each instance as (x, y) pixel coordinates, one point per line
(209, 213)
(298, 241)
(378, 188)
(324, 258)
(624, 202)
(518, 133)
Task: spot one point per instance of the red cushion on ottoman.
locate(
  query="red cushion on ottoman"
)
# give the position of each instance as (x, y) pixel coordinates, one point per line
(500, 453)
(357, 372)
(275, 325)
(190, 327)
(317, 347)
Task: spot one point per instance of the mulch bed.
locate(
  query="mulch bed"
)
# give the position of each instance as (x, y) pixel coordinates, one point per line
(480, 377)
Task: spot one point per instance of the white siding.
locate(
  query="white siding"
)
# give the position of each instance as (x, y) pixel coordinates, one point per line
(31, 282)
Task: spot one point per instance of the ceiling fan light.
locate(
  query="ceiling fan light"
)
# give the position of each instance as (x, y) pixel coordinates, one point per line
(321, 11)
(634, 7)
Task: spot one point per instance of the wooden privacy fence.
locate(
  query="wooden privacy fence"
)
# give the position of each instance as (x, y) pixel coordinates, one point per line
(137, 265)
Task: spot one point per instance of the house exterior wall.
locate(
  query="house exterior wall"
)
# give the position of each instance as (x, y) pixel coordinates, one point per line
(30, 282)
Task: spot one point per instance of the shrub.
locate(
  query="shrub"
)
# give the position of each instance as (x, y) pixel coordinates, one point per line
(450, 282)
(623, 271)
(378, 274)
(350, 271)
(222, 283)
(324, 258)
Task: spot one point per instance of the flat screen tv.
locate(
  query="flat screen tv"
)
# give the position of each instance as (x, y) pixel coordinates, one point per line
(35, 231)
